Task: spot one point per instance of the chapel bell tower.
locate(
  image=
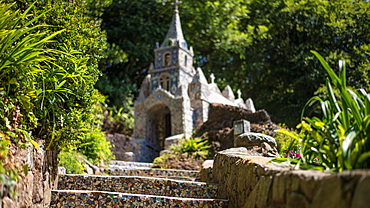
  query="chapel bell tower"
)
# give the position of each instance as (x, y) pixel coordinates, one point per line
(174, 98)
(163, 109)
(173, 65)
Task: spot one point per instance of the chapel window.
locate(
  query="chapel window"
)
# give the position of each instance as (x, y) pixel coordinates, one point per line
(167, 59)
(169, 43)
(186, 60)
(164, 81)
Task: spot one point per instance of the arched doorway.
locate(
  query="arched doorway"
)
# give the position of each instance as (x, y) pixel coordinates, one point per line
(158, 128)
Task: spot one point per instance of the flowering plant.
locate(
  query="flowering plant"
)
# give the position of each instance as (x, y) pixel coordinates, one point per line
(292, 154)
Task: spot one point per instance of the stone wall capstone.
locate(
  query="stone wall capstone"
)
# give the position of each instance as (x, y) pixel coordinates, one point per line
(251, 181)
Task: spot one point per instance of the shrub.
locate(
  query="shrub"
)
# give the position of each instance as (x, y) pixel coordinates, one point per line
(189, 154)
(91, 143)
(193, 147)
(161, 161)
(96, 148)
(71, 161)
(284, 141)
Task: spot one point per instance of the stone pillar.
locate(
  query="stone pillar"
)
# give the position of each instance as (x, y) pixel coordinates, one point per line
(241, 127)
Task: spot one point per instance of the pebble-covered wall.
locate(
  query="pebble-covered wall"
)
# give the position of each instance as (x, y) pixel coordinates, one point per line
(33, 190)
(249, 181)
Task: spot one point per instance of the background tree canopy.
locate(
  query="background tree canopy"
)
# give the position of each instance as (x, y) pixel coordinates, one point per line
(261, 47)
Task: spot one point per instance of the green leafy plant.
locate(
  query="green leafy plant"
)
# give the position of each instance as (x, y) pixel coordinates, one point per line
(96, 148)
(89, 140)
(284, 141)
(340, 139)
(189, 154)
(71, 162)
(161, 161)
(193, 147)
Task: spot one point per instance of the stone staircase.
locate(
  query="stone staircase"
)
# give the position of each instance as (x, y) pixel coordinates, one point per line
(132, 184)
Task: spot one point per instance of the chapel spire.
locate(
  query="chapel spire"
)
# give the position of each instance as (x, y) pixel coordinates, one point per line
(174, 35)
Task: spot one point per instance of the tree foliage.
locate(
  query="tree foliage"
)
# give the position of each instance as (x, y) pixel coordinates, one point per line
(133, 28)
(283, 74)
(261, 47)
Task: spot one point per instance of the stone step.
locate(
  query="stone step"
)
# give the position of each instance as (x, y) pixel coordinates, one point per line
(154, 172)
(138, 185)
(83, 198)
(128, 164)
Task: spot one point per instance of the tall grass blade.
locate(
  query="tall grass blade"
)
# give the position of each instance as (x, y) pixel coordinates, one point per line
(331, 73)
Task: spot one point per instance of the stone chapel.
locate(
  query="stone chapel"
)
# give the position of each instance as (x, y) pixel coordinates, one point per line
(174, 97)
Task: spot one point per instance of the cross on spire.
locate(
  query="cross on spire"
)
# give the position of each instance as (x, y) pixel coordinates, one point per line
(212, 77)
(239, 93)
(176, 3)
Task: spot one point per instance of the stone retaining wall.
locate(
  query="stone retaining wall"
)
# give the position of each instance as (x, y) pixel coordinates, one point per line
(33, 190)
(251, 181)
